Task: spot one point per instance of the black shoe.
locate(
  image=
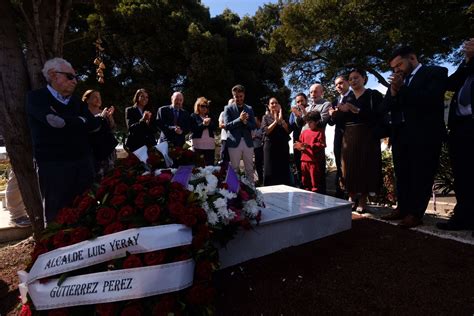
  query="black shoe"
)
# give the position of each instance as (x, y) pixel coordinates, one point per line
(452, 225)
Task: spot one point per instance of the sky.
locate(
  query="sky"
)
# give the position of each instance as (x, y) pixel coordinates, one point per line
(241, 7)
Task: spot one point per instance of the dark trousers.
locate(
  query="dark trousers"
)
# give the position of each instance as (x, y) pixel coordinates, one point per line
(297, 161)
(461, 139)
(338, 135)
(208, 154)
(415, 167)
(224, 154)
(61, 181)
(258, 152)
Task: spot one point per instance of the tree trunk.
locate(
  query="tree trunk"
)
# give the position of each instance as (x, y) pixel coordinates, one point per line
(13, 88)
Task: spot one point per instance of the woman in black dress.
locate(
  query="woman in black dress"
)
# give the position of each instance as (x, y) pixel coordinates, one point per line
(361, 154)
(140, 123)
(276, 151)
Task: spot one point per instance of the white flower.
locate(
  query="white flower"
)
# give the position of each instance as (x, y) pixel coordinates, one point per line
(251, 208)
(212, 182)
(212, 218)
(227, 194)
(225, 214)
(220, 203)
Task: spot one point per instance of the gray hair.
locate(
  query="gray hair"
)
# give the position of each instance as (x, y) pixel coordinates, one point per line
(54, 64)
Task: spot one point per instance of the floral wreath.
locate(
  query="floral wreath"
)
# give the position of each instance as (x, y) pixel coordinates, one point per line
(136, 195)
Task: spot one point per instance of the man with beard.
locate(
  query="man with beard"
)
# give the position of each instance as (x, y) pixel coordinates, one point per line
(416, 101)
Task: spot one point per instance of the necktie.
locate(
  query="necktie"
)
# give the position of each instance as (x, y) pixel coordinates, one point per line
(407, 79)
(176, 114)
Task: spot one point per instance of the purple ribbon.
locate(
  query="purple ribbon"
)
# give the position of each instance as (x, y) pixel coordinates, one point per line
(233, 182)
(182, 175)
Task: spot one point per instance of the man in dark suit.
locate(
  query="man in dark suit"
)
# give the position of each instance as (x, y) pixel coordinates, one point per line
(174, 121)
(460, 140)
(239, 122)
(416, 101)
(342, 87)
(60, 124)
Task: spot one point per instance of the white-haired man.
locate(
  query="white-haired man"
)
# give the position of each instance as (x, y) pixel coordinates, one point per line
(174, 121)
(316, 102)
(60, 124)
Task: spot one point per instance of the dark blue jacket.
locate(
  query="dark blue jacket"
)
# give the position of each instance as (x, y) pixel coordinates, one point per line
(66, 141)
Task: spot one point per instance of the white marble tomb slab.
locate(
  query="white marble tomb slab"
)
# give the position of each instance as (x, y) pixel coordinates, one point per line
(292, 217)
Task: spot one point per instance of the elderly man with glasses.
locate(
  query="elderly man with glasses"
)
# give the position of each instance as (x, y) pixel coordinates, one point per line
(60, 124)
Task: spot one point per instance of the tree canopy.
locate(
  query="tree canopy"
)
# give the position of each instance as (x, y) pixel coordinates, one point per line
(322, 37)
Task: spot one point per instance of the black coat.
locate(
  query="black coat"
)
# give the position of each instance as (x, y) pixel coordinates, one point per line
(139, 132)
(417, 111)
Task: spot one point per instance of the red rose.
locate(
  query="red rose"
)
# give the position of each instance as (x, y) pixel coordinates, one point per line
(118, 199)
(105, 216)
(164, 177)
(106, 309)
(165, 306)
(152, 213)
(154, 258)
(203, 231)
(140, 200)
(244, 195)
(204, 270)
(121, 189)
(130, 161)
(199, 213)
(154, 160)
(132, 310)
(85, 203)
(132, 261)
(67, 216)
(157, 191)
(126, 211)
(188, 220)
(144, 179)
(138, 187)
(200, 294)
(80, 234)
(175, 208)
(101, 192)
(61, 239)
(40, 248)
(59, 312)
(114, 228)
(25, 310)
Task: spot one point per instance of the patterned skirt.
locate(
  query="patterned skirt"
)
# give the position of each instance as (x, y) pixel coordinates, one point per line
(361, 160)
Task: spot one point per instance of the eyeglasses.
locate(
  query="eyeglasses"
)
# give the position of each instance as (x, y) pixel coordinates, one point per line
(204, 106)
(68, 75)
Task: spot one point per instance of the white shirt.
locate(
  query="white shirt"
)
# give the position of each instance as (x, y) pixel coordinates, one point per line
(413, 73)
(58, 96)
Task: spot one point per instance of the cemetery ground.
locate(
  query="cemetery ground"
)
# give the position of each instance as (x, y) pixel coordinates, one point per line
(374, 268)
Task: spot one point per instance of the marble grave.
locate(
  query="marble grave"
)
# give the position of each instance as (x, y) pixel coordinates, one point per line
(292, 217)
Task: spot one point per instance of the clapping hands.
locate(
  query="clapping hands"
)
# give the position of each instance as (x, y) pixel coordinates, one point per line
(244, 116)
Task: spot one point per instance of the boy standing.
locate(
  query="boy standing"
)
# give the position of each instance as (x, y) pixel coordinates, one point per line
(311, 144)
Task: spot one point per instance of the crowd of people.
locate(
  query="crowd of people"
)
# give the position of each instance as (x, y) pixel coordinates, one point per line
(74, 141)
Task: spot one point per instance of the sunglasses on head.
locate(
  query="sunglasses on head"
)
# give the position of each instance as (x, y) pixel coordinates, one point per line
(68, 75)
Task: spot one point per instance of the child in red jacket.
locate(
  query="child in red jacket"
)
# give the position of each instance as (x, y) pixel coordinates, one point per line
(311, 144)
